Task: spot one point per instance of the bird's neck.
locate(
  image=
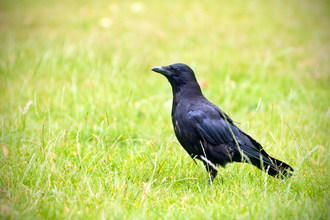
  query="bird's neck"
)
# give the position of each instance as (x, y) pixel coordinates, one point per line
(190, 91)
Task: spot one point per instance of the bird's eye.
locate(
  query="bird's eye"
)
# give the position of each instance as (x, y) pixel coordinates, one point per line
(177, 69)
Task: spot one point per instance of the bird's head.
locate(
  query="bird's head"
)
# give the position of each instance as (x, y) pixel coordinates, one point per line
(178, 74)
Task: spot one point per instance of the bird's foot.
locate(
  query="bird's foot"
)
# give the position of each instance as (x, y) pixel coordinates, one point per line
(210, 181)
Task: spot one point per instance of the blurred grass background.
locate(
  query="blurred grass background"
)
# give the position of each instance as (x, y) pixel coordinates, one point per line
(85, 125)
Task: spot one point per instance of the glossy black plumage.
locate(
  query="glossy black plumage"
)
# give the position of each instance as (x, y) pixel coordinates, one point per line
(209, 134)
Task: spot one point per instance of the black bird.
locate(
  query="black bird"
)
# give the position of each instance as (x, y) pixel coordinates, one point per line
(208, 133)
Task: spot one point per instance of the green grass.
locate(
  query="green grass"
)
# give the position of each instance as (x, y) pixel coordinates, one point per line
(97, 140)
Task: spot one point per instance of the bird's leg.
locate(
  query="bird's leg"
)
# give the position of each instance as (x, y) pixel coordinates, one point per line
(211, 168)
(212, 171)
(212, 174)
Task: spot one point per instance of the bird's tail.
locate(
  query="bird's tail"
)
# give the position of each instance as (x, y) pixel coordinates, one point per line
(272, 166)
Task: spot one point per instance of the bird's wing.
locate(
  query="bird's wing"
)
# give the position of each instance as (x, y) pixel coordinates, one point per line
(215, 127)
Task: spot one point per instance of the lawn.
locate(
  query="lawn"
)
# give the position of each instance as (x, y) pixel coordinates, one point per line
(85, 124)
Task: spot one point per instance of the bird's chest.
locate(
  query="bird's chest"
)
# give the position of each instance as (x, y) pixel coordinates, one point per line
(180, 121)
(178, 128)
(185, 131)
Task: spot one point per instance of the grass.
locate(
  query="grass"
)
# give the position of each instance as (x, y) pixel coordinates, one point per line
(96, 140)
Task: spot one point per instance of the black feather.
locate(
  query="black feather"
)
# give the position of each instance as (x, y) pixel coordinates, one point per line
(209, 134)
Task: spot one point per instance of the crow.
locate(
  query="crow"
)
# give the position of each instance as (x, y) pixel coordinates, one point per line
(207, 133)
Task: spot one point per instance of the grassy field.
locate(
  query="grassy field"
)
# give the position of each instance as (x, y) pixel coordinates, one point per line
(85, 124)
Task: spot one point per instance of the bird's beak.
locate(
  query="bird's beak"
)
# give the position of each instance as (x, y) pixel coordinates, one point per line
(162, 70)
